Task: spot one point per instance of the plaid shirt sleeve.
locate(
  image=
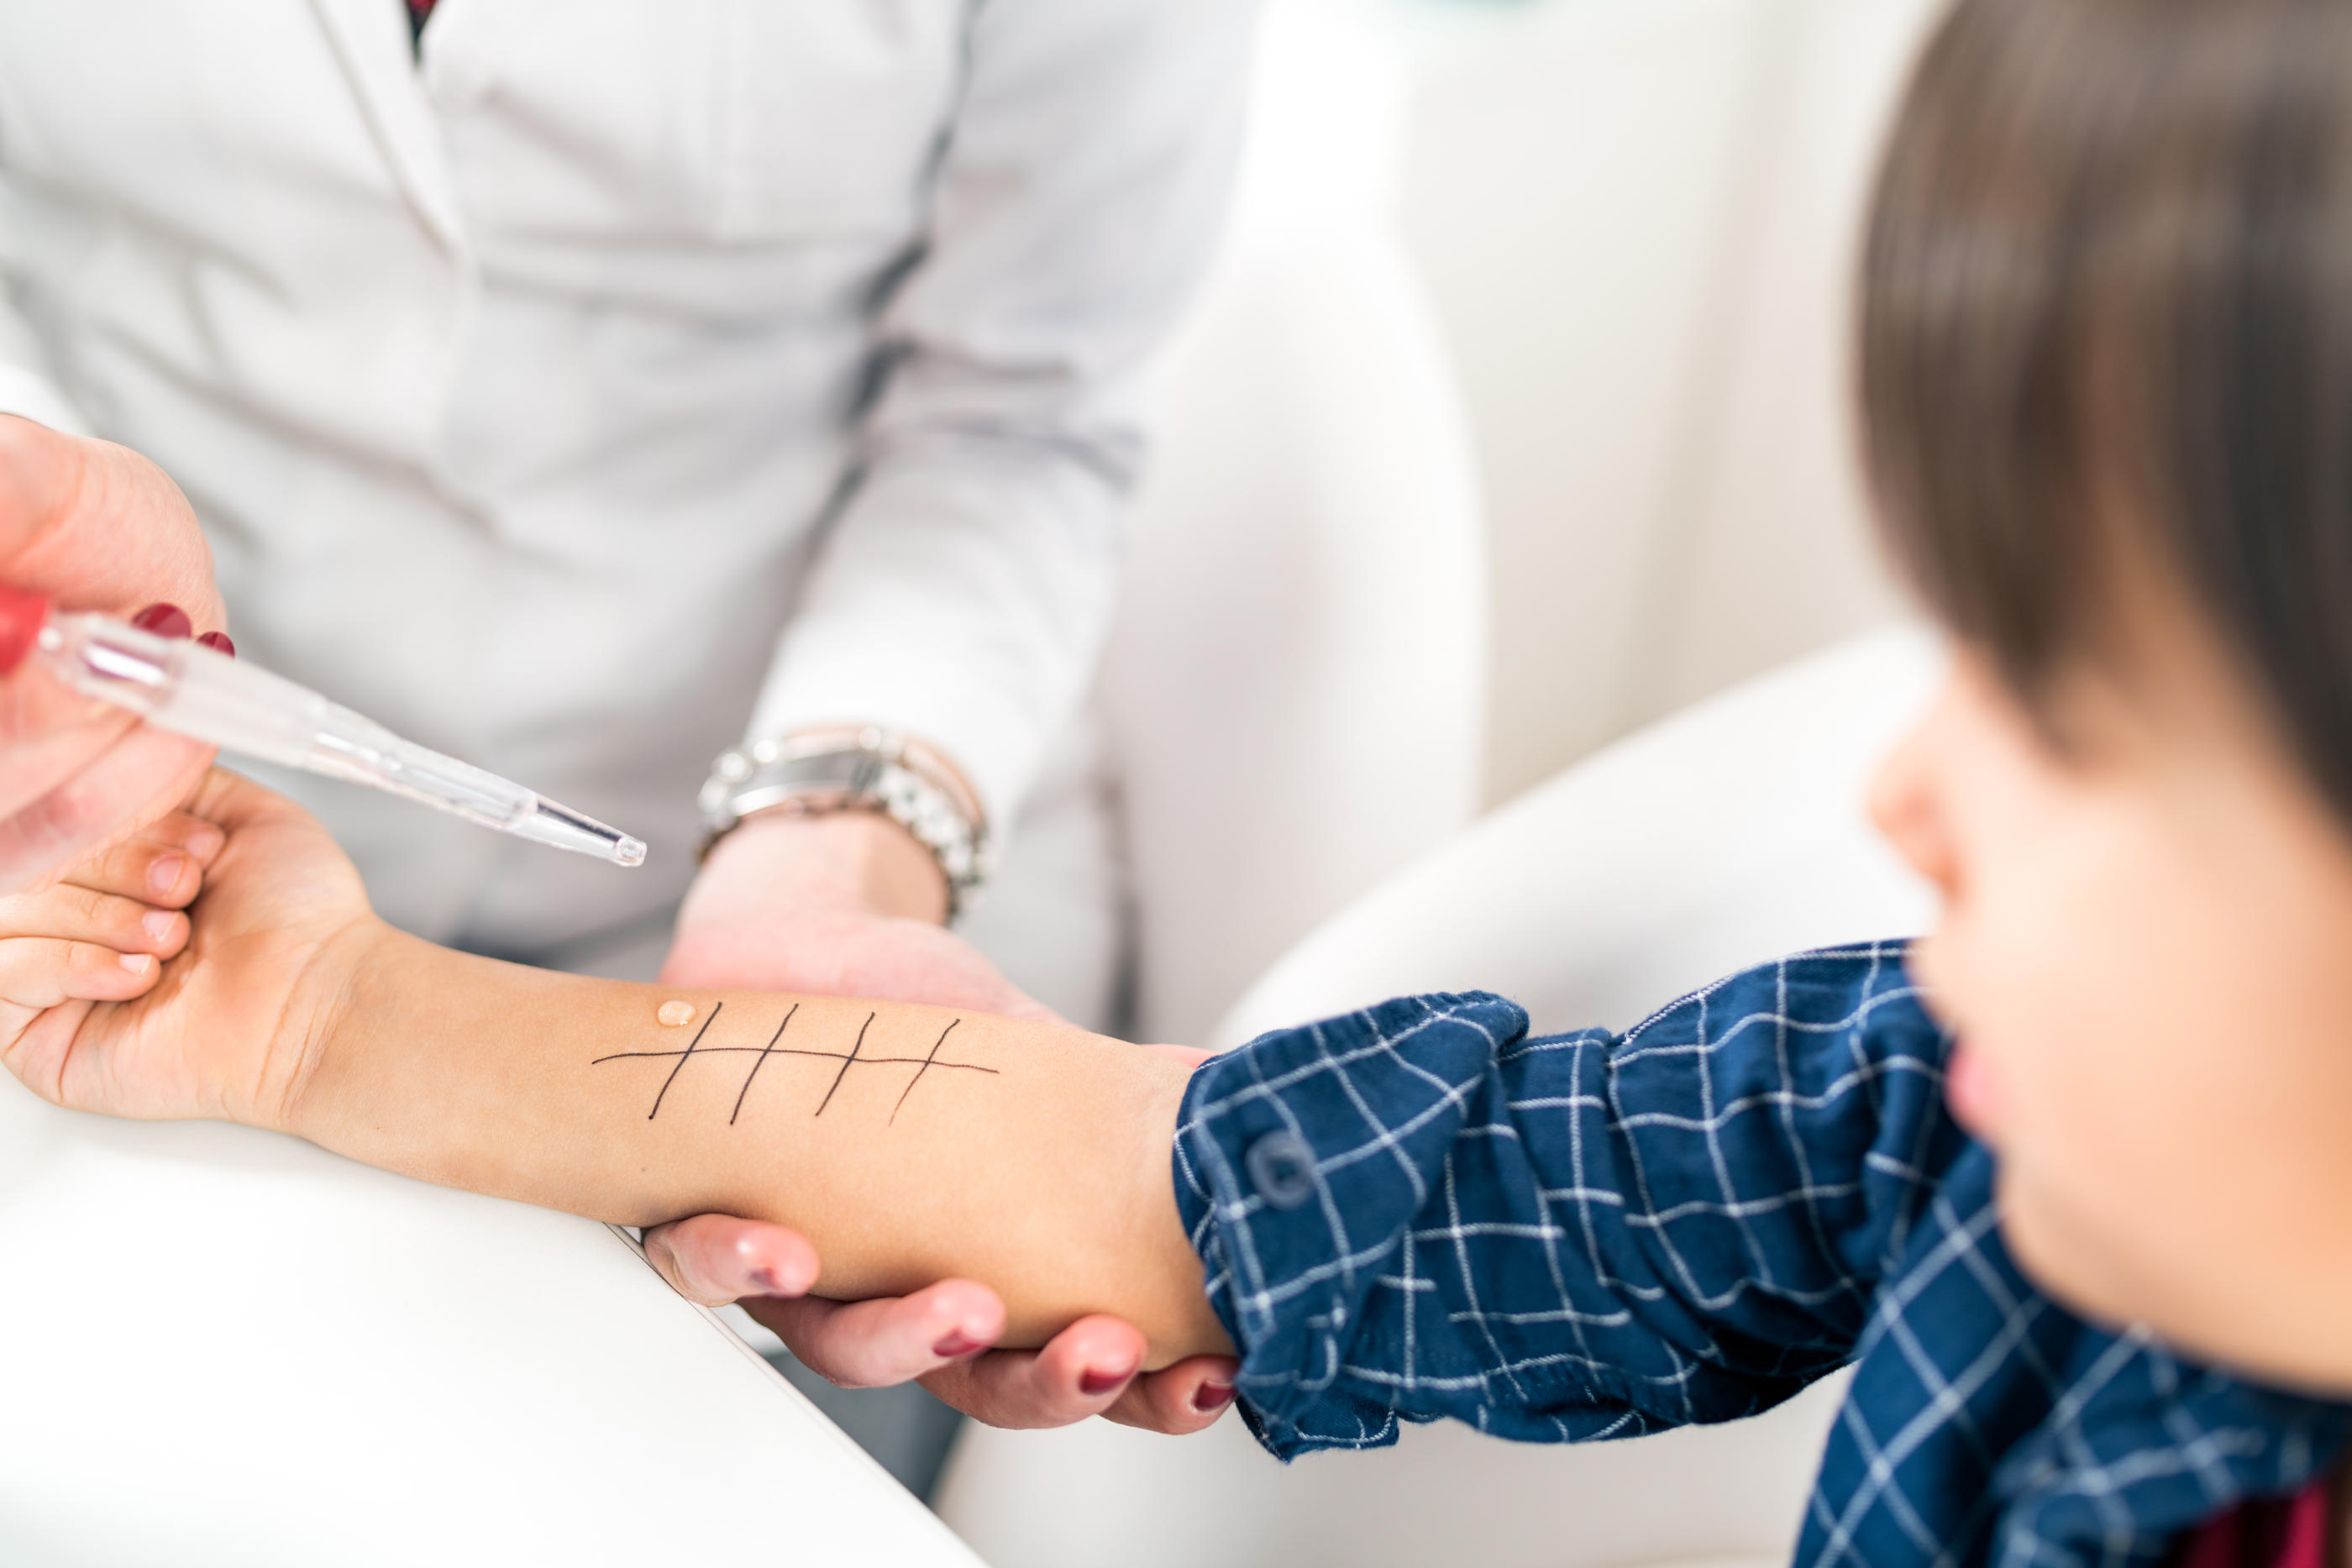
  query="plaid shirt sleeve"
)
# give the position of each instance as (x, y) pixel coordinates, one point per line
(1418, 1212)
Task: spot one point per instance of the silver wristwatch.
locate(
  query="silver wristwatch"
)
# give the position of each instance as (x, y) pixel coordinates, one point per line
(868, 770)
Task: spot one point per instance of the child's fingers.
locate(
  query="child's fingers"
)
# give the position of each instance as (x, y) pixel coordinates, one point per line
(80, 914)
(42, 972)
(163, 864)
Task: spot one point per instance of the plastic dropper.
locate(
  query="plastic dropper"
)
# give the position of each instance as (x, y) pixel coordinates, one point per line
(193, 690)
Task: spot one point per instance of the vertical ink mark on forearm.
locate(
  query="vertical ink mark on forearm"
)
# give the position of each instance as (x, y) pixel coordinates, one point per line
(683, 1057)
(855, 1057)
(762, 1060)
(926, 1067)
(846, 1063)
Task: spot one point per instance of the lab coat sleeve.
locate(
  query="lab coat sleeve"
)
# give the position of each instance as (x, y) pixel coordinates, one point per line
(964, 588)
(1418, 1212)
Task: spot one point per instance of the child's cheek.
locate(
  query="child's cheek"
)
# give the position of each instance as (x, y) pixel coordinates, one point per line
(1973, 1093)
(1970, 1079)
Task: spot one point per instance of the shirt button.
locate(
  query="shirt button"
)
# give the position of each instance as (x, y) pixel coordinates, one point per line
(1282, 1168)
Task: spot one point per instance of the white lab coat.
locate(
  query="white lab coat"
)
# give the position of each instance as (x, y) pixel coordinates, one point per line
(628, 376)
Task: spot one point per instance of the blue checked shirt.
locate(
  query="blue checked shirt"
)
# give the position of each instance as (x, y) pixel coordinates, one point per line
(1418, 1212)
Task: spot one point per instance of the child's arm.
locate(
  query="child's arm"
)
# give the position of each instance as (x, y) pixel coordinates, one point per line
(909, 1144)
(1413, 1211)
(1418, 1211)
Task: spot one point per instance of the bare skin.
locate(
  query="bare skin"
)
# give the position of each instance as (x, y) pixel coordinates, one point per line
(95, 527)
(851, 905)
(1031, 1157)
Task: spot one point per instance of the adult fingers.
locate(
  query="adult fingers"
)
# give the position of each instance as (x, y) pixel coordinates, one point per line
(134, 781)
(51, 733)
(714, 1258)
(96, 526)
(878, 1344)
(1083, 1370)
(1177, 1400)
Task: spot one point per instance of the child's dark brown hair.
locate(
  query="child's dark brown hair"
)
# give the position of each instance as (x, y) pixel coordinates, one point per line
(2108, 308)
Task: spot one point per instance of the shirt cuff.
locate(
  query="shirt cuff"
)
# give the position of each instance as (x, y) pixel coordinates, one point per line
(1301, 1161)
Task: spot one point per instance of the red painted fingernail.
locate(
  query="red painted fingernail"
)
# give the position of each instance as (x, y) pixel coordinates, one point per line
(957, 1344)
(218, 642)
(1100, 1383)
(1211, 1396)
(164, 620)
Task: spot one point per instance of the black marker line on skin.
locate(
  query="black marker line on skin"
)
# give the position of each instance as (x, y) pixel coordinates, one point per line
(855, 1057)
(846, 1063)
(926, 1067)
(788, 1051)
(682, 1056)
(761, 1062)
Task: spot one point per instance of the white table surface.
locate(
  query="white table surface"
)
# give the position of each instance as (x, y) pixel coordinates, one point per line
(223, 1346)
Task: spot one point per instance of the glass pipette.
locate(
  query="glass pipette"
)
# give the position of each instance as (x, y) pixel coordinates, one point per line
(189, 688)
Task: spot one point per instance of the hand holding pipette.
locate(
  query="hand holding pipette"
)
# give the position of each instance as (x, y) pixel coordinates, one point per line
(197, 691)
(94, 525)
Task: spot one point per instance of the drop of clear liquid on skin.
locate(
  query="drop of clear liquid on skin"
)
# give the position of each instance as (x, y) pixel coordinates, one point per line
(676, 1014)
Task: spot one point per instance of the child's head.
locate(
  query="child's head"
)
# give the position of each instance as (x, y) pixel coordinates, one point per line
(2107, 371)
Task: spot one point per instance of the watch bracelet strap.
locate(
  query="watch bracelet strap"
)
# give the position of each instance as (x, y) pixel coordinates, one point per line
(868, 770)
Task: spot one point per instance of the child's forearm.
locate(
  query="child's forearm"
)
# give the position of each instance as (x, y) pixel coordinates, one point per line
(909, 1144)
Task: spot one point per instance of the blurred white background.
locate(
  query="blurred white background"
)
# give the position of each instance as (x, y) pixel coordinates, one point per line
(1636, 220)
(1515, 419)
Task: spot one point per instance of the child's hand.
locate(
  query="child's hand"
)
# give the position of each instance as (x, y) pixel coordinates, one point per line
(111, 1001)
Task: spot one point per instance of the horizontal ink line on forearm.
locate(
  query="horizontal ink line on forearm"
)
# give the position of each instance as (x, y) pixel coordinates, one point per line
(854, 1057)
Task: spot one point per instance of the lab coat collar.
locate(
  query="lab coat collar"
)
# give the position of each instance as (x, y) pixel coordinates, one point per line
(371, 39)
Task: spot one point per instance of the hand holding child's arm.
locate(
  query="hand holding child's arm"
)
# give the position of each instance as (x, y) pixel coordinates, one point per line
(910, 1144)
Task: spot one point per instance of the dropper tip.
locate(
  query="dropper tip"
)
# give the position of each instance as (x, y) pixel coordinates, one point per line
(564, 828)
